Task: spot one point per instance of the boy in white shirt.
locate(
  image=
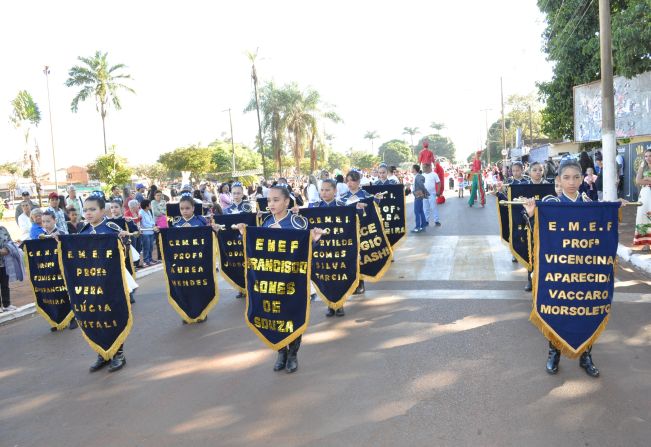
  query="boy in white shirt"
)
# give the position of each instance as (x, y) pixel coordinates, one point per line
(432, 184)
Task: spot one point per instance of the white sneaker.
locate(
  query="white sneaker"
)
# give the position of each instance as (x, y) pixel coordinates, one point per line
(10, 308)
(2, 309)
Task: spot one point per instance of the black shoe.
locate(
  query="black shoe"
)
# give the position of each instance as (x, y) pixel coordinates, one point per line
(340, 312)
(99, 364)
(553, 359)
(117, 362)
(240, 295)
(131, 298)
(313, 297)
(528, 287)
(438, 224)
(204, 320)
(292, 362)
(513, 259)
(360, 288)
(73, 324)
(330, 312)
(53, 329)
(586, 363)
(281, 360)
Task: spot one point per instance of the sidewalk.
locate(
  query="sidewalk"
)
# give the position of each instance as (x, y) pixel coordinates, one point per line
(635, 255)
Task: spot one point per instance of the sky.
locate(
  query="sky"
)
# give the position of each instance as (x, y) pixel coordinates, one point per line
(383, 65)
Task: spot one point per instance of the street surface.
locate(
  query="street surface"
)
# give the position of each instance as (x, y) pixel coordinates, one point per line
(439, 353)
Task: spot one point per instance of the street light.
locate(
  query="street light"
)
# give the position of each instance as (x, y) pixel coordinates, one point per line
(230, 119)
(46, 71)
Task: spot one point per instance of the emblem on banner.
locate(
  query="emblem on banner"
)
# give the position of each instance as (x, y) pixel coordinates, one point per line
(392, 208)
(374, 248)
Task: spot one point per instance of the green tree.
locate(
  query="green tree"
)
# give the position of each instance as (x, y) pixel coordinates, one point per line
(339, 161)
(156, 173)
(197, 160)
(363, 160)
(371, 135)
(222, 157)
(395, 152)
(571, 42)
(411, 131)
(440, 145)
(26, 115)
(98, 79)
(437, 127)
(110, 169)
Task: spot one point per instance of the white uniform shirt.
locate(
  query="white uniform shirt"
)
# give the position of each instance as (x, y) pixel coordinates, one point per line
(431, 179)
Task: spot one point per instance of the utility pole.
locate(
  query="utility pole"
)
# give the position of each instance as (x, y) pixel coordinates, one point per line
(608, 138)
(488, 150)
(254, 76)
(230, 119)
(46, 71)
(503, 122)
(530, 128)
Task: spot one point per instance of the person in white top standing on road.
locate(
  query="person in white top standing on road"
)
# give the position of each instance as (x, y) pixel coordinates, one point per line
(432, 182)
(312, 190)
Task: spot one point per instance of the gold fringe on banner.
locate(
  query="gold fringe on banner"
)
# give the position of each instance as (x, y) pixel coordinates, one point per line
(297, 332)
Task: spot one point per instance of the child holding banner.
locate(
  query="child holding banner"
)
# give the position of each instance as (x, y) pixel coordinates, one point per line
(237, 204)
(570, 177)
(280, 217)
(383, 176)
(97, 223)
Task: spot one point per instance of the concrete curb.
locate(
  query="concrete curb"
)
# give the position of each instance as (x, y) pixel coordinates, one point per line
(641, 260)
(29, 309)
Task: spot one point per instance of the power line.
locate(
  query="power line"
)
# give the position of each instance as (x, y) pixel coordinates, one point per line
(576, 26)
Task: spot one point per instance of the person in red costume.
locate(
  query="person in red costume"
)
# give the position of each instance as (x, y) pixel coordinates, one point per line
(426, 156)
(441, 173)
(477, 181)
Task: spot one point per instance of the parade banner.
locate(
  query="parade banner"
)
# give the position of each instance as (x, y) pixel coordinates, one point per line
(278, 268)
(173, 211)
(129, 226)
(519, 235)
(573, 283)
(261, 203)
(50, 293)
(503, 218)
(95, 276)
(375, 253)
(189, 263)
(335, 256)
(393, 207)
(231, 248)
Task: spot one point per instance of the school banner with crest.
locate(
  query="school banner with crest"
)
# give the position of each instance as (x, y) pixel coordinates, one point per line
(189, 263)
(231, 248)
(503, 218)
(573, 283)
(375, 253)
(95, 276)
(335, 256)
(519, 237)
(278, 269)
(392, 209)
(50, 293)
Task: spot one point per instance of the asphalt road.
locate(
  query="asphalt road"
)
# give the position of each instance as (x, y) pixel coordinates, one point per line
(439, 353)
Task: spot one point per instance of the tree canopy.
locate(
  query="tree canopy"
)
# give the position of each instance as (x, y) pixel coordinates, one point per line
(110, 169)
(571, 42)
(395, 152)
(440, 145)
(197, 160)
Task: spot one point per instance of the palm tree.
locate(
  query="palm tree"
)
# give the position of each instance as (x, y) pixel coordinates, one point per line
(411, 131)
(437, 127)
(371, 135)
(25, 115)
(96, 78)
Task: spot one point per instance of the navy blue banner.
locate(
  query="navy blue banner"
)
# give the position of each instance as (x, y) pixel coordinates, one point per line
(392, 209)
(375, 252)
(231, 248)
(335, 257)
(520, 241)
(94, 272)
(503, 218)
(189, 263)
(262, 205)
(278, 264)
(50, 293)
(575, 256)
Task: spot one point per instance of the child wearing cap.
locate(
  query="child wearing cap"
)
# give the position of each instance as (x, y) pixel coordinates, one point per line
(61, 224)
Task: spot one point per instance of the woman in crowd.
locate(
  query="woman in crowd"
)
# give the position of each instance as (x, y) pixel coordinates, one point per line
(642, 237)
(24, 220)
(312, 190)
(36, 216)
(225, 198)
